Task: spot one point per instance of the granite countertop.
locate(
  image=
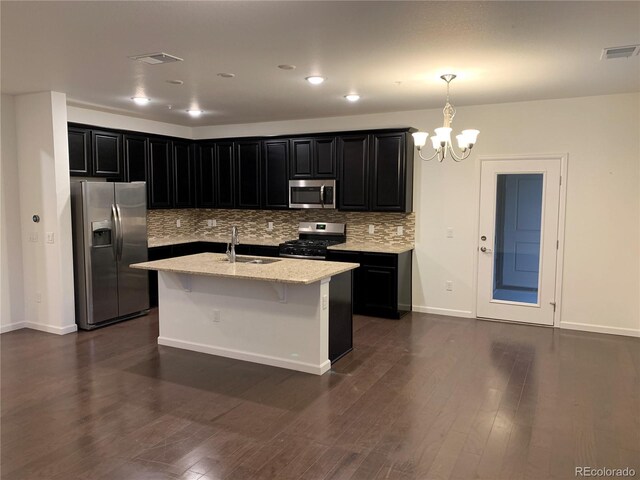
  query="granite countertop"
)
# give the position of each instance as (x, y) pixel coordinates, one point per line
(285, 270)
(372, 247)
(164, 241)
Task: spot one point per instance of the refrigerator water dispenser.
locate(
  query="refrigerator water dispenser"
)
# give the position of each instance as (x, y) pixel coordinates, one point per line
(101, 233)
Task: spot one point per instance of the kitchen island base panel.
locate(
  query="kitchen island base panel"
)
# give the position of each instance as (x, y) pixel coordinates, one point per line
(247, 320)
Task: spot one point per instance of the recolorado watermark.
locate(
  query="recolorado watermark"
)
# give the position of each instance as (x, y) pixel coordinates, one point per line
(627, 472)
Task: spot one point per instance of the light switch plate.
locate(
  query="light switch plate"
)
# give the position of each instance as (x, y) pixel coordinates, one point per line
(269, 226)
(50, 237)
(33, 237)
(372, 229)
(449, 232)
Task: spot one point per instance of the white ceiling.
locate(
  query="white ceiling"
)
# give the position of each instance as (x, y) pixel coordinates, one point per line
(392, 53)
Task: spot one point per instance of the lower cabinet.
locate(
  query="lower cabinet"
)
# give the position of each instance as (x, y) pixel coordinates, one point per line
(382, 283)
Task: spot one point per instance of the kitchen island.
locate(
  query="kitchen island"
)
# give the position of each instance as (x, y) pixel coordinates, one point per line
(286, 313)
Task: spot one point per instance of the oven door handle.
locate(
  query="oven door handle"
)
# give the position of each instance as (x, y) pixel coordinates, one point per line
(304, 257)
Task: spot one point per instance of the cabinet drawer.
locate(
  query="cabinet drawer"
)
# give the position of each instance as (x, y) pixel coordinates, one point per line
(380, 259)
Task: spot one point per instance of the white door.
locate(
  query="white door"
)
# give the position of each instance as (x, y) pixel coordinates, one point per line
(518, 239)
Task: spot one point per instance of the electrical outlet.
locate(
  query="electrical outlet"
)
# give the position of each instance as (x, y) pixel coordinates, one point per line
(269, 226)
(400, 231)
(209, 223)
(449, 232)
(372, 229)
(325, 302)
(50, 237)
(449, 285)
(178, 223)
(38, 297)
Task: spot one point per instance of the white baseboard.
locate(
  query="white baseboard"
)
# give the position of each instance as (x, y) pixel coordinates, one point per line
(586, 327)
(247, 356)
(12, 326)
(52, 329)
(444, 311)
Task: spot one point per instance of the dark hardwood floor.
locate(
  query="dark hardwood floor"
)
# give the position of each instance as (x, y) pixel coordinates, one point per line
(426, 397)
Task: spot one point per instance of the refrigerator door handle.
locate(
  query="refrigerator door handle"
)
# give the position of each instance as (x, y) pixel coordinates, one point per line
(116, 231)
(120, 235)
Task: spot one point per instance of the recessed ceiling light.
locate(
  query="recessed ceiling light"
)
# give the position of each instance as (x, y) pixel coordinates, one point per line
(315, 80)
(227, 75)
(286, 66)
(352, 97)
(195, 113)
(141, 100)
(176, 82)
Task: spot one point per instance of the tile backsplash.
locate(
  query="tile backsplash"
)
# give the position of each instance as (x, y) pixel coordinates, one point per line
(253, 224)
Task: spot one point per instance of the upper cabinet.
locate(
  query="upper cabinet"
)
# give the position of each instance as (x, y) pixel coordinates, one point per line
(95, 153)
(206, 176)
(160, 180)
(313, 158)
(79, 151)
(353, 158)
(184, 195)
(275, 181)
(247, 173)
(136, 157)
(376, 172)
(373, 169)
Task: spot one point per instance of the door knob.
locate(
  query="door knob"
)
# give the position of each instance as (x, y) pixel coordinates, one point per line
(485, 250)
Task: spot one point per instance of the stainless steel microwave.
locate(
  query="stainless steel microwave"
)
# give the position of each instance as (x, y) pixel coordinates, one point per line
(312, 194)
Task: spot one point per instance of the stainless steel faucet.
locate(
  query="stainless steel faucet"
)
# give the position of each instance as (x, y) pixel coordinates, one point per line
(231, 252)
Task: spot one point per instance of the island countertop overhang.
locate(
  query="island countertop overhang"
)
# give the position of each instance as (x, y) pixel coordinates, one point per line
(285, 270)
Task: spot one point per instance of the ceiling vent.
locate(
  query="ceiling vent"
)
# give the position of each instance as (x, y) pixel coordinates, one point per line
(620, 52)
(156, 58)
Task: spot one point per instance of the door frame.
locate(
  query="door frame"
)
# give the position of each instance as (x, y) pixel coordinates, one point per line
(562, 208)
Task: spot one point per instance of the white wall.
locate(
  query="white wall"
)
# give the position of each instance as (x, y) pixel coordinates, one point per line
(123, 122)
(602, 245)
(43, 178)
(11, 289)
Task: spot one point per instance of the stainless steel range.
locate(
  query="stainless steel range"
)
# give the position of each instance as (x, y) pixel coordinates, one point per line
(314, 238)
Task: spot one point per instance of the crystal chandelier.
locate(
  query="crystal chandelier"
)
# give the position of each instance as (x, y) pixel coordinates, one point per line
(442, 139)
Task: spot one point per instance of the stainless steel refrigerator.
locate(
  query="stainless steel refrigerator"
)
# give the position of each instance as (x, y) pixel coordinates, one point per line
(109, 222)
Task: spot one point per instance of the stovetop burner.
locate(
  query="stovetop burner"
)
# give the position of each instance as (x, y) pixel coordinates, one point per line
(314, 240)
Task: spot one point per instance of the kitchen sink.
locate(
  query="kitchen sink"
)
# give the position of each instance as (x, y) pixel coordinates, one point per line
(253, 260)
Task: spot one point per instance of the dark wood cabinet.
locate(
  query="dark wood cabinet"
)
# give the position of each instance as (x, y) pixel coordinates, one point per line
(247, 174)
(160, 181)
(382, 283)
(224, 175)
(391, 172)
(353, 158)
(206, 176)
(275, 182)
(136, 157)
(183, 175)
(313, 158)
(376, 172)
(79, 151)
(106, 153)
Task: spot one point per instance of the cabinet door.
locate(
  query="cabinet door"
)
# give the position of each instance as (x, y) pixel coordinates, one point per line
(324, 157)
(106, 149)
(388, 172)
(160, 182)
(353, 158)
(206, 176)
(79, 151)
(224, 175)
(379, 290)
(248, 174)
(301, 158)
(183, 178)
(136, 157)
(275, 184)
